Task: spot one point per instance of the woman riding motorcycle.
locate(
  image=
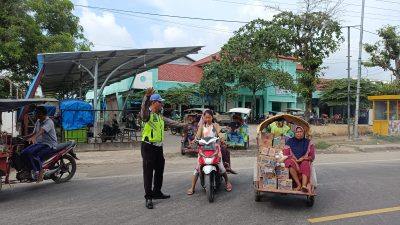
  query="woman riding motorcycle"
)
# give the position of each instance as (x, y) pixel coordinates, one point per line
(208, 128)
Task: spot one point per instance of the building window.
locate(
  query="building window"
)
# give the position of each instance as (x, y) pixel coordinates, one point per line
(393, 110)
(276, 106)
(380, 110)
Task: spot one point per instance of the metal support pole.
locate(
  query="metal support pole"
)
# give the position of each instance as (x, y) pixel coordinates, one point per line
(359, 72)
(348, 82)
(95, 97)
(10, 89)
(127, 97)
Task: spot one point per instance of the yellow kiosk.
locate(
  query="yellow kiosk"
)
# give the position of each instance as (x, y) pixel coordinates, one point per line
(386, 118)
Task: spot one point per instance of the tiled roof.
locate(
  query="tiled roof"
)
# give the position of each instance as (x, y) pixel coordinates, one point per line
(299, 67)
(180, 73)
(216, 56)
(323, 83)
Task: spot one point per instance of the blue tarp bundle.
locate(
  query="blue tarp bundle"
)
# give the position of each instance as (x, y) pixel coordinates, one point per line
(76, 114)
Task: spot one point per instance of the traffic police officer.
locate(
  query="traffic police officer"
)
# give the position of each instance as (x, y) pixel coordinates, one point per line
(152, 145)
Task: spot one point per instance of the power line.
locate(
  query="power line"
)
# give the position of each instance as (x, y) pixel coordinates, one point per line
(388, 1)
(160, 20)
(163, 15)
(374, 7)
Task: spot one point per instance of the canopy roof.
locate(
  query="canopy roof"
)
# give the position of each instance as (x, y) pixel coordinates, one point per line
(7, 105)
(289, 118)
(67, 70)
(240, 110)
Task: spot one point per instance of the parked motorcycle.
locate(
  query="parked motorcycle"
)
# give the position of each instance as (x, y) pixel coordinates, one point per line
(210, 177)
(110, 132)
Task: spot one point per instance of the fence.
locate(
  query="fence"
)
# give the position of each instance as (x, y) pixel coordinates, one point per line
(112, 126)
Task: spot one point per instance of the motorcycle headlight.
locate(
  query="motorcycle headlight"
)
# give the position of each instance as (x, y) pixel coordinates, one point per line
(209, 160)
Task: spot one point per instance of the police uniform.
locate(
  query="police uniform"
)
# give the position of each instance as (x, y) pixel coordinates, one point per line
(152, 154)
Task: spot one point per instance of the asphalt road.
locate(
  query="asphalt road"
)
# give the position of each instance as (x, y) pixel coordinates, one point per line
(112, 193)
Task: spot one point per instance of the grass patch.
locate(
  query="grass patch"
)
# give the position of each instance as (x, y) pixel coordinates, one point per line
(322, 145)
(391, 139)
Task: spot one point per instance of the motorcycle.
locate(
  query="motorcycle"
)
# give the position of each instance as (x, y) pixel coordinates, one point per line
(59, 164)
(210, 177)
(110, 132)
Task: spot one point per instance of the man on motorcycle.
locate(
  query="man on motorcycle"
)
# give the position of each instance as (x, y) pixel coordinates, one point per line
(42, 140)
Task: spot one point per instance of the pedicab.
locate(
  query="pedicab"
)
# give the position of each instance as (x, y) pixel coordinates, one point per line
(270, 174)
(240, 137)
(189, 134)
(57, 163)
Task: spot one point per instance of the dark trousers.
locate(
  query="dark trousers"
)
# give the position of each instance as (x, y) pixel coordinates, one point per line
(153, 160)
(32, 155)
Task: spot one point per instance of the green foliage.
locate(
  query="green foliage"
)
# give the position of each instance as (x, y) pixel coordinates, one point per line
(322, 145)
(335, 94)
(29, 27)
(386, 52)
(217, 81)
(4, 89)
(180, 95)
(309, 37)
(390, 88)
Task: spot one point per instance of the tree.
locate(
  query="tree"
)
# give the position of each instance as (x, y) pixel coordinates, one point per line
(390, 88)
(250, 55)
(181, 95)
(29, 27)
(257, 78)
(386, 52)
(217, 82)
(335, 94)
(311, 36)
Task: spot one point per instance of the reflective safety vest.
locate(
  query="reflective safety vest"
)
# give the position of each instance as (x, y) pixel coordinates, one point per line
(154, 128)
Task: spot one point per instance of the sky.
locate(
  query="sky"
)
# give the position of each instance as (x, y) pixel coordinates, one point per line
(109, 29)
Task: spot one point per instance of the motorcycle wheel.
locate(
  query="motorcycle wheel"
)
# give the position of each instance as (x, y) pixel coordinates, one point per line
(208, 179)
(173, 131)
(68, 167)
(183, 148)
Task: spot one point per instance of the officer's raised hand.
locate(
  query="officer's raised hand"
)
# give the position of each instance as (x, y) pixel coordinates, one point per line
(149, 91)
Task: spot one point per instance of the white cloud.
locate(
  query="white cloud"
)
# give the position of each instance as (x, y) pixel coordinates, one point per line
(254, 10)
(103, 30)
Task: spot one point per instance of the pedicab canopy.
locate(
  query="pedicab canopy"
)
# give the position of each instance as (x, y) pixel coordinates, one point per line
(240, 110)
(386, 118)
(289, 118)
(8, 105)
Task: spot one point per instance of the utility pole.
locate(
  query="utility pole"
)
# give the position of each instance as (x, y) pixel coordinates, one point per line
(359, 72)
(348, 82)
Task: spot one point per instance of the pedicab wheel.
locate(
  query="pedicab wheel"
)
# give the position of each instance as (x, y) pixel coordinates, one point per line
(67, 170)
(310, 201)
(208, 185)
(257, 196)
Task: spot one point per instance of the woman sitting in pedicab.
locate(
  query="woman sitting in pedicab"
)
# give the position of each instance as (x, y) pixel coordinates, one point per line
(301, 153)
(234, 128)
